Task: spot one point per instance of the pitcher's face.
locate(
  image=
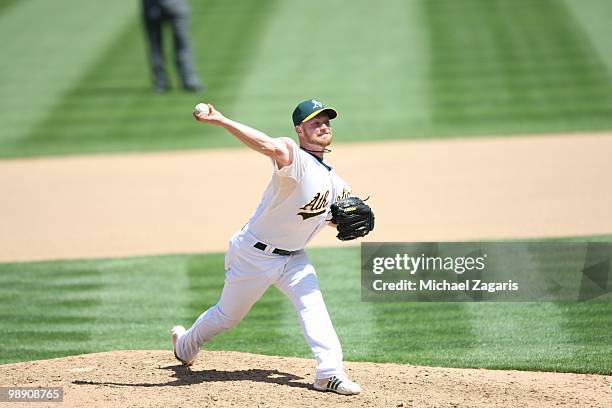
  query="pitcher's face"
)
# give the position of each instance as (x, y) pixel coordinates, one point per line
(317, 131)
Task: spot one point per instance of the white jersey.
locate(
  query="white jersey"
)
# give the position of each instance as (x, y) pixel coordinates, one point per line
(295, 205)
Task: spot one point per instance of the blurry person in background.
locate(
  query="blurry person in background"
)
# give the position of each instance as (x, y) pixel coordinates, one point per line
(175, 12)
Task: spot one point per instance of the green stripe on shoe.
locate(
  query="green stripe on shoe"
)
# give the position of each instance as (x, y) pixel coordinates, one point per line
(333, 384)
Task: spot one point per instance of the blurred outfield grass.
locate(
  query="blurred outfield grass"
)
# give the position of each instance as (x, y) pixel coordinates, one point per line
(53, 309)
(76, 80)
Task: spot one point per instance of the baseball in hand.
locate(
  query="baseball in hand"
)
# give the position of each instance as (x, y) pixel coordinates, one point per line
(201, 109)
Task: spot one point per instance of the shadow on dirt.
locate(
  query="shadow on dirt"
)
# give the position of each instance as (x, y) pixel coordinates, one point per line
(185, 376)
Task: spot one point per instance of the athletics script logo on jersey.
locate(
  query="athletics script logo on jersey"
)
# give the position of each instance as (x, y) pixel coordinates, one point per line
(344, 194)
(316, 206)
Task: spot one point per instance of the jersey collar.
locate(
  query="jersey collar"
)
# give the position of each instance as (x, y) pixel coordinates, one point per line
(320, 160)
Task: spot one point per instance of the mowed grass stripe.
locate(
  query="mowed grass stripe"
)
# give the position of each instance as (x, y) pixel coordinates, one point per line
(47, 48)
(112, 106)
(520, 336)
(587, 328)
(501, 66)
(352, 55)
(131, 304)
(436, 334)
(39, 322)
(424, 68)
(542, 336)
(134, 304)
(6, 4)
(593, 17)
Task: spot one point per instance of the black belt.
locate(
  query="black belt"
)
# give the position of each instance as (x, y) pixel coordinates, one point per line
(277, 251)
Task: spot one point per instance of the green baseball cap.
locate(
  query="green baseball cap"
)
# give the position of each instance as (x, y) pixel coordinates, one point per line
(309, 109)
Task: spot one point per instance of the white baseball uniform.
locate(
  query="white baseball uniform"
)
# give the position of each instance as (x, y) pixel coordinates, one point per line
(294, 208)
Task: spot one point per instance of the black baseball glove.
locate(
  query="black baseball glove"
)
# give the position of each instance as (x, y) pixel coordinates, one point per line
(353, 218)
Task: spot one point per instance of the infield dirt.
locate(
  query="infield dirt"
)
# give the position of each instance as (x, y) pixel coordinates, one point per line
(223, 379)
(188, 202)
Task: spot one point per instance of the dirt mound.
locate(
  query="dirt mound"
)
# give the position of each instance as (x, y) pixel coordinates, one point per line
(155, 379)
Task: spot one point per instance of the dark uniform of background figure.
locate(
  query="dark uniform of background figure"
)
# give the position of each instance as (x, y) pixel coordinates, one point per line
(176, 12)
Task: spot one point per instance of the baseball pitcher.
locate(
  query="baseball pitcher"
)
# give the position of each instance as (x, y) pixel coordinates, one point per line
(304, 195)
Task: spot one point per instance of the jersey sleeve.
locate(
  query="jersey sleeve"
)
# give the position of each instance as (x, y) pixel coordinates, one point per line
(297, 167)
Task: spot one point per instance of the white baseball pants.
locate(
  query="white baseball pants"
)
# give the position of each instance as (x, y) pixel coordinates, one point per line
(248, 273)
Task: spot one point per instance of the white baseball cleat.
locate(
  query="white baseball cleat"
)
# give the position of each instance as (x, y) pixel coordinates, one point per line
(178, 331)
(338, 385)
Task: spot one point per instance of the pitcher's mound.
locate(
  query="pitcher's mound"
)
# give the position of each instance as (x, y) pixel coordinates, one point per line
(155, 379)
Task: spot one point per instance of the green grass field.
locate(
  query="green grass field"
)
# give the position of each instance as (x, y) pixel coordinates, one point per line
(54, 309)
(420, 68)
